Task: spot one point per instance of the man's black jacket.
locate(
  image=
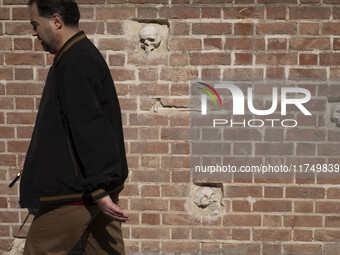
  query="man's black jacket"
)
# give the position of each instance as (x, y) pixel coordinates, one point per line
(77, 147)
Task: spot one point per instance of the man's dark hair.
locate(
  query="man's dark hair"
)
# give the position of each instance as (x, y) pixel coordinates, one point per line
(67, 9)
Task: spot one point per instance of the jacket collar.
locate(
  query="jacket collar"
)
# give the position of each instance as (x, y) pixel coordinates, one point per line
(70, 42)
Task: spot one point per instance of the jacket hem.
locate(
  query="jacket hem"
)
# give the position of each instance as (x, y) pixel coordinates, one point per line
(94, 196)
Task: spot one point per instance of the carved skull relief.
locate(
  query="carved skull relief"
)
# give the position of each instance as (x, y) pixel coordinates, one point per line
(150, 38)
(206, 197)
(336, 115)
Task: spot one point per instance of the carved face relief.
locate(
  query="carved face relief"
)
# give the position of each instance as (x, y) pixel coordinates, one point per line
(206, 197)
(150, 38)
(336, 115)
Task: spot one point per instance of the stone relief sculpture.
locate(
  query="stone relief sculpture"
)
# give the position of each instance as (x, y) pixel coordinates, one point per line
(206, 197)
(150, 37)
(336, 115)
(146, 41)
(206, 201)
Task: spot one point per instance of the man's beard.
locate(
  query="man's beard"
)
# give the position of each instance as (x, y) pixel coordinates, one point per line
(45, 47)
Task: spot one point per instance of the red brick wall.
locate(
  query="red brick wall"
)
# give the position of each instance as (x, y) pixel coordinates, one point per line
(208, 39)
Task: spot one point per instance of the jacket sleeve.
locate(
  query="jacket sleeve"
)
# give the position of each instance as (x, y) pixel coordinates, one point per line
(92, 135)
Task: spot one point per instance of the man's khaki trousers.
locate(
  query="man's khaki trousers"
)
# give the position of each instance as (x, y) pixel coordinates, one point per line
(56, 229)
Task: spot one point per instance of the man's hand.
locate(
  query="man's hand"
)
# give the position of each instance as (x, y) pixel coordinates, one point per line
(112, 210)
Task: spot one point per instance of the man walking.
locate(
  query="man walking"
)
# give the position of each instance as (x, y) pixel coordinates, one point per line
(75, 165)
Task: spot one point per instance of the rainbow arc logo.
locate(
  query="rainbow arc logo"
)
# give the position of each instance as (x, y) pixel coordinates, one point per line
(204, 96)
(209, 93)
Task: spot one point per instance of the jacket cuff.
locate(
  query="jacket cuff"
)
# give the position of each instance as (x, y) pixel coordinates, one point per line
(98, 194)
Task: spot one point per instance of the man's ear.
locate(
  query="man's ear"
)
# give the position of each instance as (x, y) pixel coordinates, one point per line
(56, 21)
